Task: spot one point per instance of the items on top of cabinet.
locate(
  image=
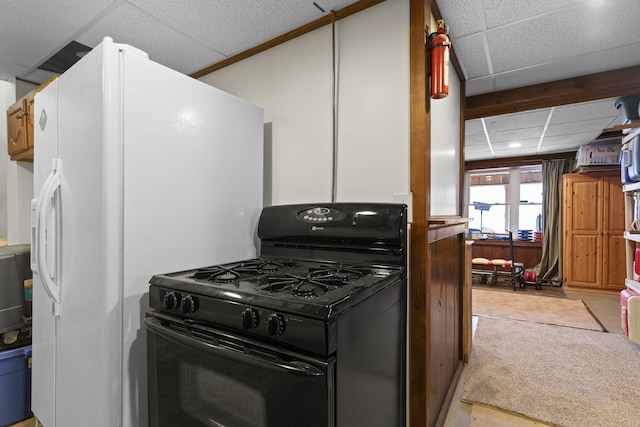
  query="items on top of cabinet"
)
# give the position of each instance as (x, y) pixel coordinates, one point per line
(20, 122)
(630, 161)
(598, 155)
(630, 158)
(628, 107)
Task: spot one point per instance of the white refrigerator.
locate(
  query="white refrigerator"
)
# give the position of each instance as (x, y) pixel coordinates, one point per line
(138, 170)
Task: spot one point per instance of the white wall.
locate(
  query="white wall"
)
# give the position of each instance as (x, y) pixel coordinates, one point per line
(19, 195)
(373, 161)
(445, 150)
(293, 83)
(16, 179)
(7, 97)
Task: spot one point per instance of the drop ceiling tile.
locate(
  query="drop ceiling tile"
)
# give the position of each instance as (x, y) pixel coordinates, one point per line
(469, 157)
(477, 156)
(9, 70)
(610, 59)
(478, 148)
(528, 76)
(463, 17)
(471, 140)
(523, 120)
(501, 12)
(607, 104)
(585, 111)
(477, 152)
(472, 55)
(163, 44)
(516, 135)
(615, 122)
(24, 39)
(575, 139)
(506, 153)
(562, 147)
(239, 24)
(594, 125)
(473, 127)
(525, 144)
(572, 31)
(481, 85)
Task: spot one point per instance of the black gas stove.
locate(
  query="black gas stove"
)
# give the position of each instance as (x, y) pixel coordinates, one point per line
(329, 288)
(307, 274)
(309, 283)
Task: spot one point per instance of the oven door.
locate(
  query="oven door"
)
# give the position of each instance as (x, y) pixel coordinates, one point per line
(200, 376)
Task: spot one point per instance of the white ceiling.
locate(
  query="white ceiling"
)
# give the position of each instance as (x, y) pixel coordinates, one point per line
(509, 44)
(543, 131)
(500, 44)
(186, 35)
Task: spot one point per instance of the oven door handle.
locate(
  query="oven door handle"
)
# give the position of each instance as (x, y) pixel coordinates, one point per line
(287, 366)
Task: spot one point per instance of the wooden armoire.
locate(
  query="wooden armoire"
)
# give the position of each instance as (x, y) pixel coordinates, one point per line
(593, 232)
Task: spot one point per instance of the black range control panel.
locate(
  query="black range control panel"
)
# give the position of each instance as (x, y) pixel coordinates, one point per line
(320, 215)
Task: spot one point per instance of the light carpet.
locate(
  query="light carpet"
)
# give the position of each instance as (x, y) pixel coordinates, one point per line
(532, 308)
(557, 375)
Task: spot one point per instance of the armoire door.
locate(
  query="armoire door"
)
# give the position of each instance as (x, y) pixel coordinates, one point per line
(583, 225)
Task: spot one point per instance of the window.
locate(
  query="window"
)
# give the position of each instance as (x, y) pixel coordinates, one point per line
(504, 199)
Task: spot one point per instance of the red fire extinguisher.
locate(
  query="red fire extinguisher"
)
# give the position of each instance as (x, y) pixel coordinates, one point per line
(439, 45)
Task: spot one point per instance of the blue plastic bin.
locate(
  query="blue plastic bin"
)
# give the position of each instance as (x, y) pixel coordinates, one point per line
(15, 385)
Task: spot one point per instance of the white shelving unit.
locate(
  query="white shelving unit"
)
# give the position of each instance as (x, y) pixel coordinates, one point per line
(632, 237)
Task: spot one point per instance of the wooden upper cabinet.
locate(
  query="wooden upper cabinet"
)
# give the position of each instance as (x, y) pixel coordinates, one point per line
(31, 97)
(17, 128)
(20, 122)
(593, 224)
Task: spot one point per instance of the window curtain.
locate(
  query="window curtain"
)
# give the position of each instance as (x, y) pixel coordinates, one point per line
(550, 267)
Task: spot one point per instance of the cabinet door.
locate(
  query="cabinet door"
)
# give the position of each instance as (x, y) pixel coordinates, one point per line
(614, 245)
(30, 117)
(583, 224)
(17, 128)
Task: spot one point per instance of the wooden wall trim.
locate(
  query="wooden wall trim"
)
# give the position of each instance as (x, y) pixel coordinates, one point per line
(463, 88)
(625, 81)
(517, 161)
(443, 232)
(297, 32)
(419, 147)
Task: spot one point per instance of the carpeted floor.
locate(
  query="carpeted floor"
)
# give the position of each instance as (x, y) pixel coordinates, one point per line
(557, 375)
(533, 308)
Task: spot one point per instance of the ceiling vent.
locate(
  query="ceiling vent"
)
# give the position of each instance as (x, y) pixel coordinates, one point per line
(65, 58)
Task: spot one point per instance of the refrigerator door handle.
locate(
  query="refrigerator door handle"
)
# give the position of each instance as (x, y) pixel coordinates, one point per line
(34, 236)
(47, 239)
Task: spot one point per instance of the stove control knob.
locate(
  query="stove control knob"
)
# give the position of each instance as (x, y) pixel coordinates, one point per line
(170, 300)
(250, 318)
(188, 304)
(275, 325)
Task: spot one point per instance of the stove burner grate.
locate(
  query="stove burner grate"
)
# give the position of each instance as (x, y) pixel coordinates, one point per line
(317, 282)
(233, 272)
(340, 272)
(302, 286)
